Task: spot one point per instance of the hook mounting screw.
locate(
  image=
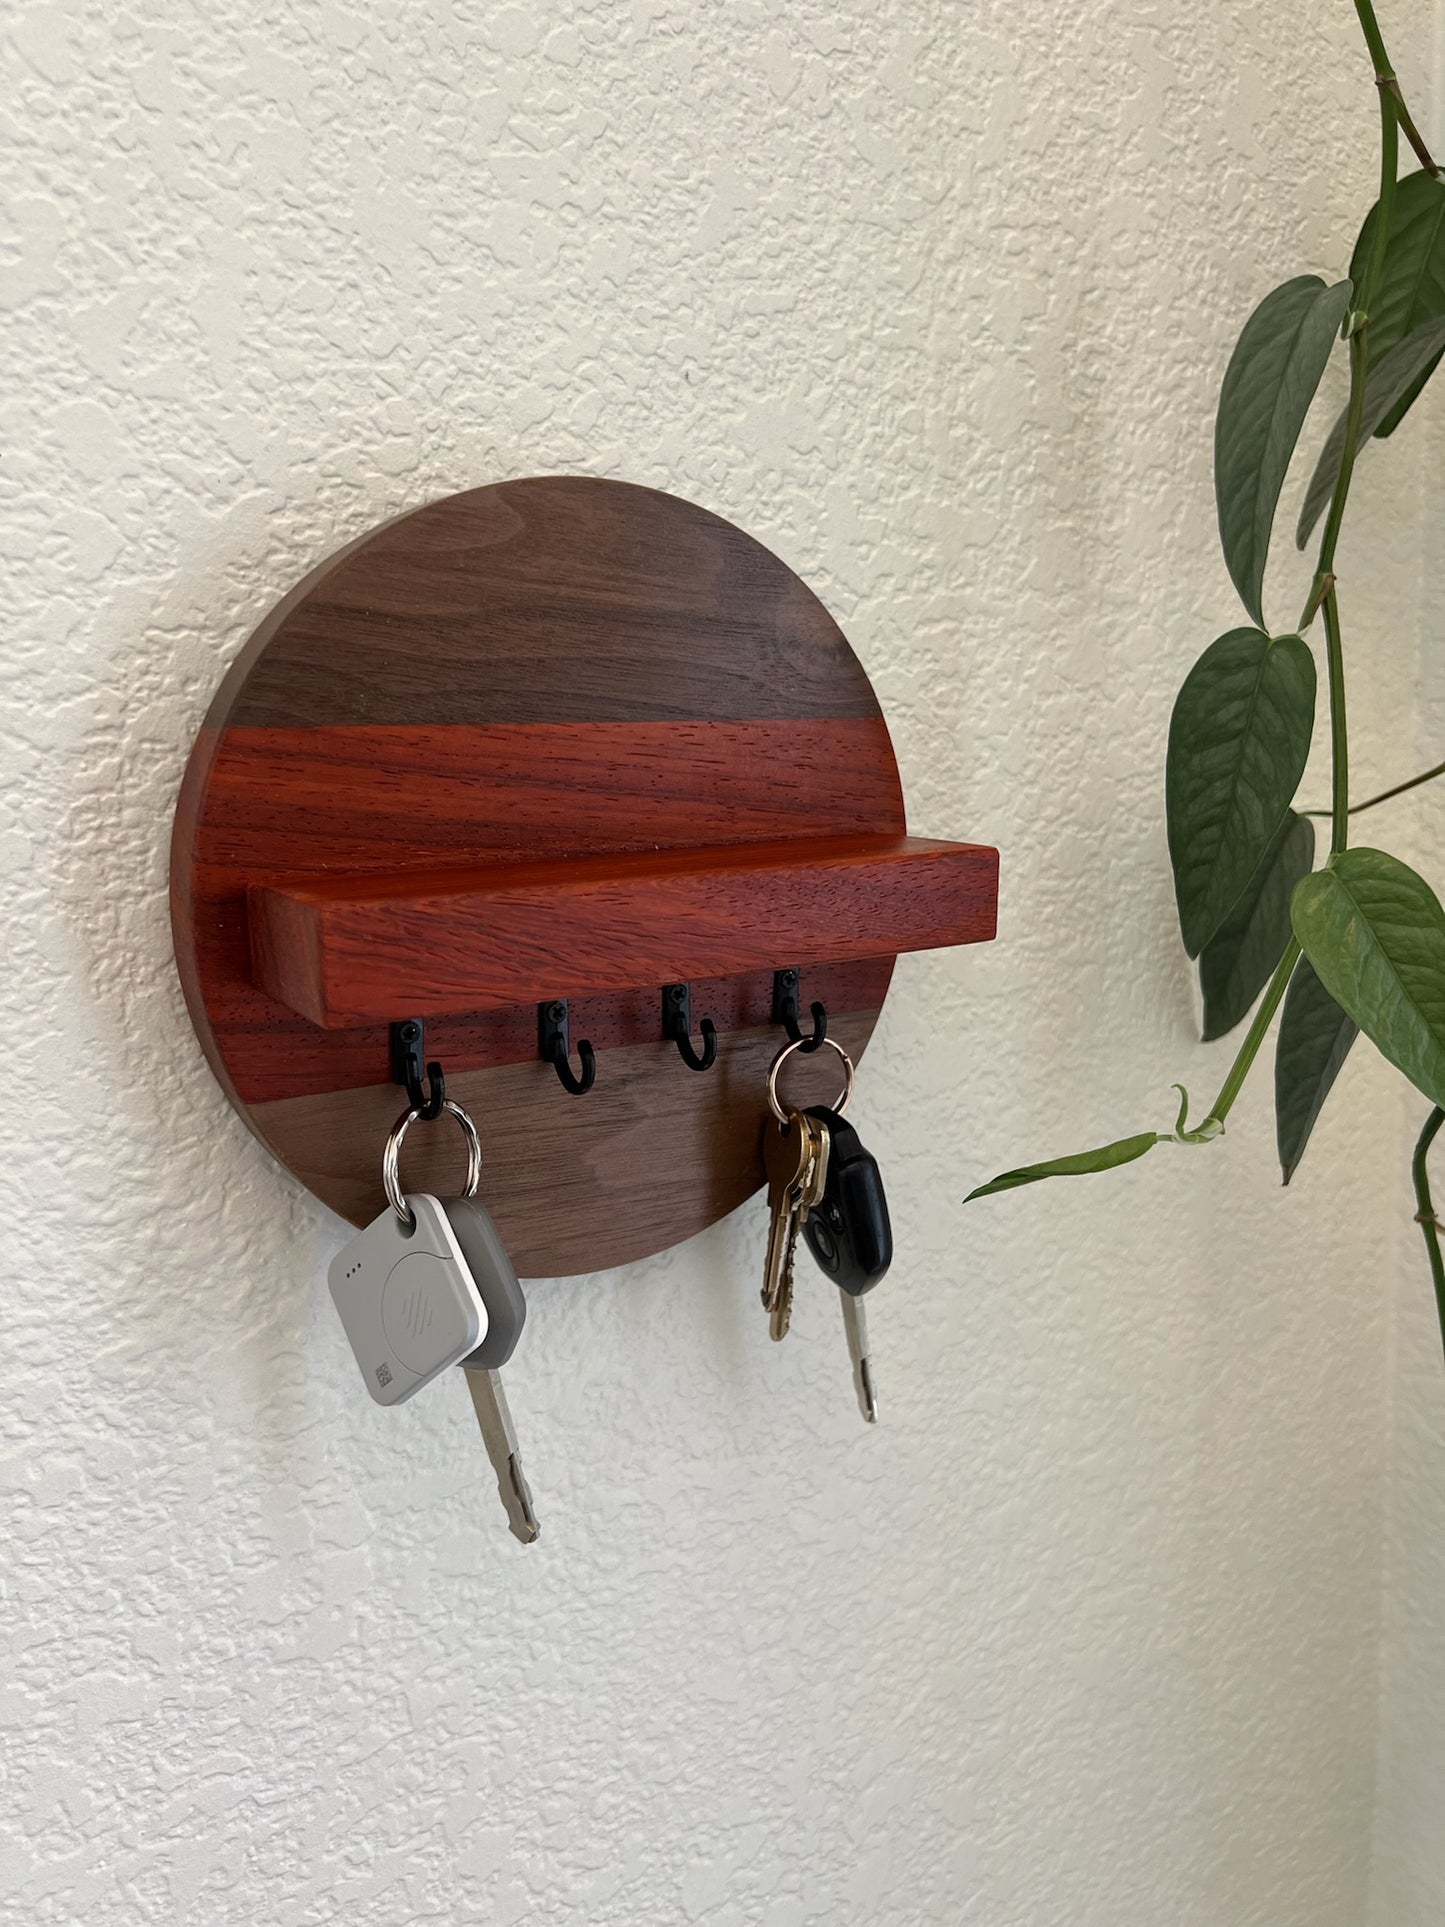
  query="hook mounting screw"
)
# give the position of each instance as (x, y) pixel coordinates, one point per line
(408, 1065)
(785, 1012)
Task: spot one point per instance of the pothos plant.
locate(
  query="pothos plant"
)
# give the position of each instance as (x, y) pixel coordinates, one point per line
(1357, 944)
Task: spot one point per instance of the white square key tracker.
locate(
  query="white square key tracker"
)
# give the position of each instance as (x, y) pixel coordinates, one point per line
(407, 1298)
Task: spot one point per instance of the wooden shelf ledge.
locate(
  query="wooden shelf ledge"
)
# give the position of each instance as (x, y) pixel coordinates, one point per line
(348, 951)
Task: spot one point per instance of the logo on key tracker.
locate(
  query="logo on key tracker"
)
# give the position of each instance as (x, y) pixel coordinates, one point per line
(425, 1311)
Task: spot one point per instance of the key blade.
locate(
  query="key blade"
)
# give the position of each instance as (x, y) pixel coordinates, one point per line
(855, 1325)
(787, 1154)
(777, 1254)
(781, 1309)
(495, 1419)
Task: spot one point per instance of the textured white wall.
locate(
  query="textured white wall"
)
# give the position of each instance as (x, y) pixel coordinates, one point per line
(934, 300)
(1408, 1875)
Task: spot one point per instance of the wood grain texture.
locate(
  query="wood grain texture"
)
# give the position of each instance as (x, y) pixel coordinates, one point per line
(589, 601)
(369, 797)
(558, 668)
(354, 950)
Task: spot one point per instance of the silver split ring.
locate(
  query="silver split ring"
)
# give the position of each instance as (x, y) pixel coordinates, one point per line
(786, 1052)
(391, 1159)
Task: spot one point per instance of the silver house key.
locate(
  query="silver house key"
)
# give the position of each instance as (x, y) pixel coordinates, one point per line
(850, 1235)
(496, 1281)
(494, 1417)
(855, 1328)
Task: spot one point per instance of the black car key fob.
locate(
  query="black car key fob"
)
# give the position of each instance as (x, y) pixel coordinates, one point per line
(848, 1232)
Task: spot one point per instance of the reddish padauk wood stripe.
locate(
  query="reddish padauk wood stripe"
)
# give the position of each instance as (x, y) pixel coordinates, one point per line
(282, 802)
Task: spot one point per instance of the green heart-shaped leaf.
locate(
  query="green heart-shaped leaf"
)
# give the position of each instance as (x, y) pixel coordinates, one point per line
(1268, 387)
(1412, 285)
(1315, 1036)
(1402, 369)
(1238, 742)
(1123, 1151)
(1238, 961)
(1375, 933)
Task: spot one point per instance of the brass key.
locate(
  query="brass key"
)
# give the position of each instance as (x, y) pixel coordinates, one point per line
(809, 1196)
(788, 1157)
(804, 1169)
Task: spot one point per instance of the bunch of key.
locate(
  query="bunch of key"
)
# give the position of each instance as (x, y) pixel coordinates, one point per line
(429, 1284)
(824, 1186)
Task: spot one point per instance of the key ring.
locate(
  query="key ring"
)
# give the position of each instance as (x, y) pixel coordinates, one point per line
(806, 1043)
(391, 1158)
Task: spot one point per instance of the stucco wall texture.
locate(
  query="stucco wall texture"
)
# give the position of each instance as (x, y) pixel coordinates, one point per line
(934, 300)
(1408, 1883)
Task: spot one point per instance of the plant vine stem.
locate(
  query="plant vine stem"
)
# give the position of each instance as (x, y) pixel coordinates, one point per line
(1409, 129)
(1322, 592)
(1249, 1049)
(1374, 39)
(1425, 776)
(1385, 78)
(1425, 1210)
(1339, 728)
(1324, 595)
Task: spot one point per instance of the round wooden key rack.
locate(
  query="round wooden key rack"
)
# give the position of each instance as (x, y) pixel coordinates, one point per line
(553, 739)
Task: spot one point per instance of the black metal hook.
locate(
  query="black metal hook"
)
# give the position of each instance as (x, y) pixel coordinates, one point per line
(785, 1012)
(677, 1028)
(408, 1055)
(554, 1045)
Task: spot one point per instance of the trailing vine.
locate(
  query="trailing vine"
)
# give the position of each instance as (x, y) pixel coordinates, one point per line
(1357, 944)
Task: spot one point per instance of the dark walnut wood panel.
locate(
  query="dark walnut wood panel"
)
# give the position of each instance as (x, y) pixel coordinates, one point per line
(589, 601)
(643, 1161)
(548, 669)
(349, 951)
